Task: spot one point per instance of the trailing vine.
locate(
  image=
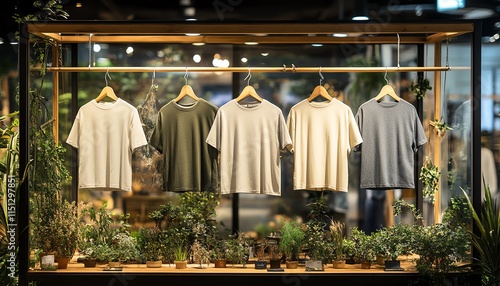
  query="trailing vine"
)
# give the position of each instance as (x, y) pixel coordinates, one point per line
(429, 176)
(420, 87)
(440, 127)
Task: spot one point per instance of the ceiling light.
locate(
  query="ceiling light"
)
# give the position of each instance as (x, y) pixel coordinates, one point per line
(317, 45)
(198, 44)
(216, 62)
(251, 43)
(197, 58)
(97, 48)
(340, 35)
(496, 36)
(191, 19)
(129, 50)
(264, 54)
(244, 60)
(192, 34)
(78, 5)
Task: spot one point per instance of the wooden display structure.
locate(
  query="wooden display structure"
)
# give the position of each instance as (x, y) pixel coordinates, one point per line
(65, 32)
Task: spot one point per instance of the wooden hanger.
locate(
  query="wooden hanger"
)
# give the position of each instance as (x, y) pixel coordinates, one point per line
(320, 90)
(107, 91)
(248, 90)
(186, 90)
(387, 90)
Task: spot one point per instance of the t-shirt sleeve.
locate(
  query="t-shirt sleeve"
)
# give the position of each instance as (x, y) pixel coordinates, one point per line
(284, 136)
(290, 123)
(420, 138)
(354, 133)
(214, 136)
(74, 134)
(137, 136)
(156, 138)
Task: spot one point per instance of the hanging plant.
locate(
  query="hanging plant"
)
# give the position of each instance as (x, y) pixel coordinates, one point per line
(440, 127)
(429, 176)
(420, 87)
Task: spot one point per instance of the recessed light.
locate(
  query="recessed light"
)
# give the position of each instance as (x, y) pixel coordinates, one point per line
(264, 54)
(317, 45)
(198, 44)
(192, 34)
(191, 19)
(251, 43)
(340, 35)
(244, 60)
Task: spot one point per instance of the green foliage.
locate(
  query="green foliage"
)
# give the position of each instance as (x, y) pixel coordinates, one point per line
(440, 127)
(180, 253)
(487, 242)
(420, 87)
(124, 248)
(291, 240)
(317, 238)
(398, 210)
(458, 212)
(364, 246)
(429, 176)
(65, 228)
(150, 244)
(349, 248)
(238, 249)
(396, 240)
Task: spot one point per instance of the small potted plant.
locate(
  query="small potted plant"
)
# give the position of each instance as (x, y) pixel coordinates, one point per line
(292, 236)
(364, 247)
(123, 249)
(238, 249)
(181, 255)
(392, 242)
(261, 262)
(65, 230)
(201, 255)
(151, 246)
(275, 254)
(349, 250)
(218, 254)
(337, 235)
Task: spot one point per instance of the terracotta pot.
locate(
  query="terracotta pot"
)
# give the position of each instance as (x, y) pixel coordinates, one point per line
(338, 264)
(62, 262)
(292, 264)
(220, 263)
(153, 264)
(366, 265)
(114, 263)
(90, 262)
(180, 264)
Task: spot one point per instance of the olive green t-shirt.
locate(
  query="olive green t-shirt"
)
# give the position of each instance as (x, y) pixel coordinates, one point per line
(190, 164)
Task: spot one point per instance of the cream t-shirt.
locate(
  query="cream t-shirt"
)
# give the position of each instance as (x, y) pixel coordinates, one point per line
(323, 134)
(106, 134)
(250, 138)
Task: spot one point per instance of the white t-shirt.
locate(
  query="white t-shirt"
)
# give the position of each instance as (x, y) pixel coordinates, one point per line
(249, 138)
(323, 134)
(106, 134)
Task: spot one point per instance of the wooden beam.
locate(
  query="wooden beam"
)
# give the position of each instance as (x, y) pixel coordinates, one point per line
(55, 93)
(436, 140)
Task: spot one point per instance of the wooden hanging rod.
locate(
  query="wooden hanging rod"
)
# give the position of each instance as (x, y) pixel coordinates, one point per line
(252, 69)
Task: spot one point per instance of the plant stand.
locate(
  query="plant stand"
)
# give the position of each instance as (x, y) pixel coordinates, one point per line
(153, 264)
(393, 265)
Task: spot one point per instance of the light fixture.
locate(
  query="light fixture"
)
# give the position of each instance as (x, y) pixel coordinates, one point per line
(1, 41)
(189, 11)
(129, 50)
(192, 34)
(191, 19)
(339, 35)
(97, 48)
(360, 18)
(360, 12)
(198, 44)
(477, 9)
(78, 5)
(197, 58)
(251, 43)
(264, 54)
(185, 2)
(224, 63)
(244, 60)
(317, 45)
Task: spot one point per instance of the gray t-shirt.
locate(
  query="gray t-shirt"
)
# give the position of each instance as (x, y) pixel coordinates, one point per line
(392, 133)
(190, 164)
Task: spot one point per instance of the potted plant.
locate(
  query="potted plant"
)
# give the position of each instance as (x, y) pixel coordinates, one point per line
(181, 254)
(275, 254)
(337, 235)
(363, 247)
(123, 248)
(261, 262)
(292, 236)
(392, 242)
(201, 255)
(65, 231)
(218, 254)
(349, 250)
(238, 249)
(150, 246)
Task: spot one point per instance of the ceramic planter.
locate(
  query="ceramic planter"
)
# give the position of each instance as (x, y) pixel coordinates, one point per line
(292, 264)
(90, 262)
(340, 264)
(62, 262)
(180, 264)
(153, 264)
(366, 265)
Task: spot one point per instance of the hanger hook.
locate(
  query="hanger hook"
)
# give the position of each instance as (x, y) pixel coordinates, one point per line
(186, 76)
(385, 76)
(249, 76)
(106, 76)
(321, 77)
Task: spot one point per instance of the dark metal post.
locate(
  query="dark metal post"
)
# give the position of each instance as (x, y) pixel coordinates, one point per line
(420, 153)
(235, 223)
(74, 110)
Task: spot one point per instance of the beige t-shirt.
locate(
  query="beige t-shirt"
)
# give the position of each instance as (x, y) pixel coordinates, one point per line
(323, 134)
(106, 134)
(249, 138)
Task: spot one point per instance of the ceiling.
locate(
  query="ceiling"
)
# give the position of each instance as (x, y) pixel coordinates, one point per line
(322, 11)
